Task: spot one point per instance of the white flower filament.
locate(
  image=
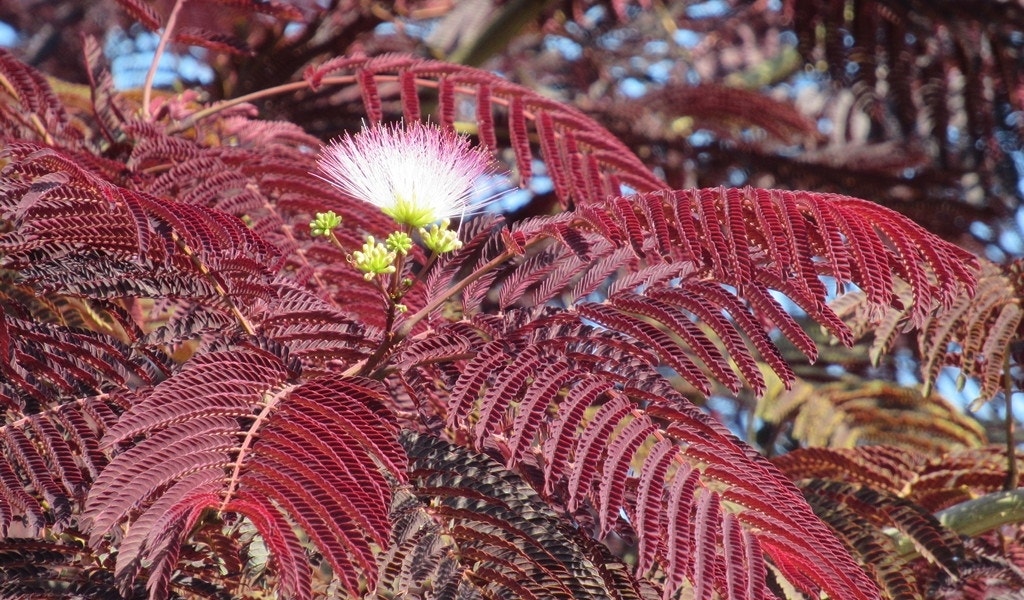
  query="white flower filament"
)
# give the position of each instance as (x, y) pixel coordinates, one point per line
(417, 174)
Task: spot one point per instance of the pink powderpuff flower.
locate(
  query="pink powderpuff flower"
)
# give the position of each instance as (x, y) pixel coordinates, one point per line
(416, 174)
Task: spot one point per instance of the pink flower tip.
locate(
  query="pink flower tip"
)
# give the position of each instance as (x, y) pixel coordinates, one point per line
(415, 173)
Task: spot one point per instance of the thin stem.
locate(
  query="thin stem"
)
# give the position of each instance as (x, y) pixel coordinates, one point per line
(422, 313)
(386, 344)
(295, 86)
(391, 339)
(217, 287)
(396, 291)
(426, 266)
(393, 292)
(147, 87)
(336, 242)
(284, 88)
(1012, 476)
(272, 401)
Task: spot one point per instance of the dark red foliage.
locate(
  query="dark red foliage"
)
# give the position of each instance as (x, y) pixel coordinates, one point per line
(204, 399)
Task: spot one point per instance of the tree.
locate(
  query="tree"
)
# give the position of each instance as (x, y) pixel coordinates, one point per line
(231, 369)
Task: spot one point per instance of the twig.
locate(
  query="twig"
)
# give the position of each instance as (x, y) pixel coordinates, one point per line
(147, 87)
(411, 322)
(295, 86)
(201, 114)
(1012, 476)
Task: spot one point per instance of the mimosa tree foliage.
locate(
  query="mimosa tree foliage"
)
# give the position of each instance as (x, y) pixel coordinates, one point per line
(207, 398)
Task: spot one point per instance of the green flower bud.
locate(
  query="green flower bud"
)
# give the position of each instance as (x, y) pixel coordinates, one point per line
(440, 239)
(324, 223)
(374, 259)
(399, 242)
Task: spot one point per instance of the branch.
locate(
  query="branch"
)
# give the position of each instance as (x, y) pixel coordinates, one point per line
(406, 328)
(505, 26)
(1012, 477)
(970, 518)
(147, 87)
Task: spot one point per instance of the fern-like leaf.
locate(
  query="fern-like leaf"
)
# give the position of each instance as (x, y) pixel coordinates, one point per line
(866, 493)
(50, 460)
(62, 216)
(903, 63)
(723, 252)
(44, 569)
(974, 333)
(42, 363)
(232, 432)
(29, 108)
(933, 482)
(466, 527)
(864, 538)
(141, 12)
(592, 413)
(852, 413)
(566, 135)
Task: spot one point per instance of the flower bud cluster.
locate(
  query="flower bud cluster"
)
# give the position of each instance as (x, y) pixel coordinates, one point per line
(374, 259)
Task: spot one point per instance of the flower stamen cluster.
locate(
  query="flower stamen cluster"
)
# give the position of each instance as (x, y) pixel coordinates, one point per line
(415, 173)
